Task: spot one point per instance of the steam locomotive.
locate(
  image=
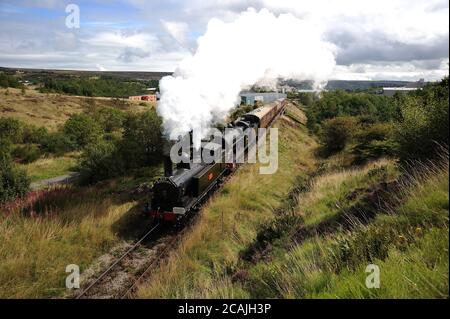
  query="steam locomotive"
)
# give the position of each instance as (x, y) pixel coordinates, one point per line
(186, 187)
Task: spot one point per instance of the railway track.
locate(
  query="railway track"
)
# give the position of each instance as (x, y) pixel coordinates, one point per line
(101, 286)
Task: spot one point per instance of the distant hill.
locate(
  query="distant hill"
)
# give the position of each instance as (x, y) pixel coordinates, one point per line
(35, 75)
(348, 85)
(38, 75)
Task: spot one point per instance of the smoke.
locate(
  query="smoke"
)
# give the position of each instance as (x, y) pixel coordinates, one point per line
(255, 48)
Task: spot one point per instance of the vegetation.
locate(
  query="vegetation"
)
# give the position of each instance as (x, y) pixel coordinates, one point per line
(134, 134)
(9, 81)
(98, 86)
(139, 146)
(336, 133)
(13, 182)
(408, 240)
(411, 126)
(51, 166)
(423, 123)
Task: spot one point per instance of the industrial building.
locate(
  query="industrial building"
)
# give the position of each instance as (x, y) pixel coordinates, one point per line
(390, 91)
(249, 98)
(148, 98)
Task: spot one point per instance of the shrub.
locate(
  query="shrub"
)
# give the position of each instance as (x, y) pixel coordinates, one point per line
(424, 122)
(111, 119)
(26, 153)
(13, 182)
(100, 161)
(142, 139)
(9, 81)
(34, 135)
(82, 129)
(57, 143)
(373, 141)
(11, 129)
(336, 133)
(340, 103)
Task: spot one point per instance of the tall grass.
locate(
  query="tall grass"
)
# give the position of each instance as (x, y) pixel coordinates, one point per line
(409, 242)
(43, 233)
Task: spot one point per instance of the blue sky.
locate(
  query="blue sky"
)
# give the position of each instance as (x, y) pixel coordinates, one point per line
(395, 39)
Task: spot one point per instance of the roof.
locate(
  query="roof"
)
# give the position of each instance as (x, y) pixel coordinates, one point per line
(259, 112)
(399, 89)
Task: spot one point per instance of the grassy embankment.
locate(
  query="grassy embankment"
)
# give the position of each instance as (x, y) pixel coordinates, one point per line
(317, 241)
(65, 226)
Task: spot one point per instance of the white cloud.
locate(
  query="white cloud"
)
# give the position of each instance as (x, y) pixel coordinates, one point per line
(177, 30)
(144, 41)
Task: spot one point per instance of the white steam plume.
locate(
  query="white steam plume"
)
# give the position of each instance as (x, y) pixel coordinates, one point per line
(257, 47)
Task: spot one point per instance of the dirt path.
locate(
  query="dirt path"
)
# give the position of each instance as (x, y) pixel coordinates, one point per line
(58, 180)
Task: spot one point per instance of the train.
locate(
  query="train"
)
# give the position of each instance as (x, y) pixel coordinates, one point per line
(183, 189)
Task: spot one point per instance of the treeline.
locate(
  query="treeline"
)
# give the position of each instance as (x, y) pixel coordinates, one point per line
(111, 140)
(102, 86)
(9, 81)
(367, 126)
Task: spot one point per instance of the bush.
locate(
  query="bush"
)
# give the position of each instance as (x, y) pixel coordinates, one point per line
(424, 122)
(82, 129)
(336, 133)
(26, 153)
(100, 161)
(13, 182)
(374, 141)
(9, 81)
(111, 119)
(340, 103)
(142, 139)
(11, 129)
(57, 143)
(34, 135)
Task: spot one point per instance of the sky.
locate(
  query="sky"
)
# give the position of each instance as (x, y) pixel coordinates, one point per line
(374, 40)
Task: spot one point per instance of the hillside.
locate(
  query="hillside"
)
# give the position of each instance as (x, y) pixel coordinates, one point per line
(51, 110)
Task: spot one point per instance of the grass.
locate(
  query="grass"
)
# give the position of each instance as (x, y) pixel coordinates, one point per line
(328, 194)
(200, 266)
(50, 229)
(409, 243)
(52, 110)
(49, 167)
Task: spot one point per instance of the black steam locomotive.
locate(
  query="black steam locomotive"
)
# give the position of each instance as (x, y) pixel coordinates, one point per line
(189, 184)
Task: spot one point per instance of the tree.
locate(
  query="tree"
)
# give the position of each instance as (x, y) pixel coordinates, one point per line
(110, 118)
(82, 129)
(424, 122)
(336, 133)
(100, 161)
(142, 140)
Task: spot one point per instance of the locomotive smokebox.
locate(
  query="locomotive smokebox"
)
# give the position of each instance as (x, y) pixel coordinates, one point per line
(168, 165)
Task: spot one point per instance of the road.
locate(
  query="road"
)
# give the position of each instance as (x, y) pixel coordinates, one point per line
(58, 180)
